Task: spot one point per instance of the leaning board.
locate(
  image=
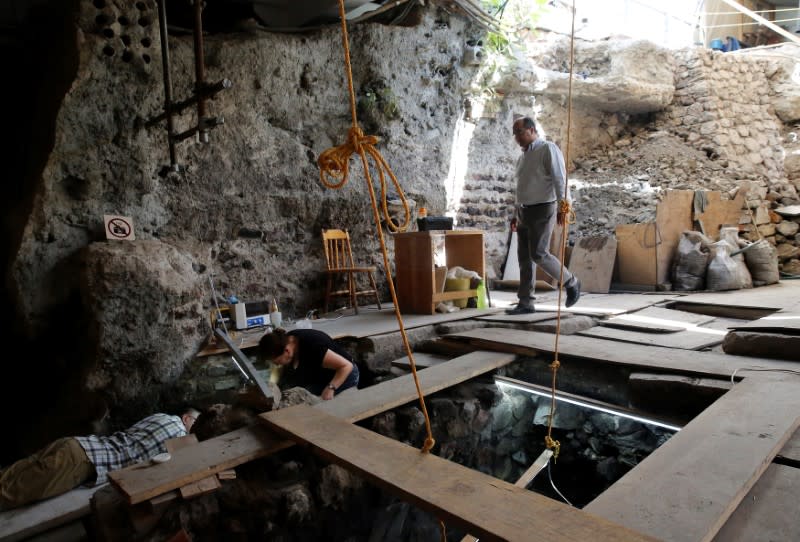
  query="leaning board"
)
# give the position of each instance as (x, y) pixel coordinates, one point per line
(481, 504)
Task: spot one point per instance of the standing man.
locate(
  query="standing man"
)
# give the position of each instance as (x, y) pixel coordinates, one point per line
(541, 202)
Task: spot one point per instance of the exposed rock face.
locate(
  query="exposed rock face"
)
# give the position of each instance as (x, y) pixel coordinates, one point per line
(246, 212)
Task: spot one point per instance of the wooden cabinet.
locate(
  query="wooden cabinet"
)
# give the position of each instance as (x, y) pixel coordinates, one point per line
(415, 257)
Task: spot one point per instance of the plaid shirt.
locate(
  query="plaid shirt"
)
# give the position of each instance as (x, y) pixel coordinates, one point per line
(138, 443)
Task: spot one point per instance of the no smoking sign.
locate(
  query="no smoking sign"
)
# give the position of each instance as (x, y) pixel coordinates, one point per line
(119, 228)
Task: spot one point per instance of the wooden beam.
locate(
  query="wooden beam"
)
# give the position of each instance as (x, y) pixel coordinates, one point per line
(481, 504)
(399, 391)
(237, 447)
(688, 487)
(531, 343)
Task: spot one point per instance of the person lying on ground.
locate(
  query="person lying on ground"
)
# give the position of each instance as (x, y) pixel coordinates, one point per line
(70, 462)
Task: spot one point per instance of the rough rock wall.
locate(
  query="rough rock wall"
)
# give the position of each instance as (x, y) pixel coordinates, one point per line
(248, 208)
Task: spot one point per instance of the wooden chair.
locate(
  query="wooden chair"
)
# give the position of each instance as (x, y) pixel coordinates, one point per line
(339, 261)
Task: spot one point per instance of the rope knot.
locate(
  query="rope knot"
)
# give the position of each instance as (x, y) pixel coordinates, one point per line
(428, 445)
(552, 445)
(555, 365)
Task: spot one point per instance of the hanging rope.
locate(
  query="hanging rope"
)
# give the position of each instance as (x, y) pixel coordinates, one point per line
(334, 164)
(565, 210)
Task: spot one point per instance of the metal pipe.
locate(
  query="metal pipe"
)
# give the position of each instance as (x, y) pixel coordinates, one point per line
(206, 91)
(162, 30)
(199, 71)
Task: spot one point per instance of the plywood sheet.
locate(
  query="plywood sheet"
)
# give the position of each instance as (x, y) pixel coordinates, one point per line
(688, 487)
(791, 451)
(608, 304)
(489, 508)
(422, 360)
(784, 294)
(519, 318)
(636, 253)
(693, 338)
(770, 510)
(719, 212)
(673, 217)
(592, 261)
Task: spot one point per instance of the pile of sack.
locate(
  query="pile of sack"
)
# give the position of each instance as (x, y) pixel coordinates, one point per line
(729, 263)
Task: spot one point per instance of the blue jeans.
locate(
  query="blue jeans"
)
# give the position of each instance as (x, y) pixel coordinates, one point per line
(534, 229)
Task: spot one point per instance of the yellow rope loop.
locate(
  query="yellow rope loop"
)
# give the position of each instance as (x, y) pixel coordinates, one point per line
(566, 209)
(334, 163)
(553, 445)
(428, 445)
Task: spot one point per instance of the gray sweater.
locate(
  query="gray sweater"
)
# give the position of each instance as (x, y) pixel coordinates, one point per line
(540, 174)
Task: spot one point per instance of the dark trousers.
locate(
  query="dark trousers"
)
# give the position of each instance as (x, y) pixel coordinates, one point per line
(534, 229)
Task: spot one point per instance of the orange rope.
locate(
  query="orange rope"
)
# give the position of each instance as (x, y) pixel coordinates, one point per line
(334, 163)
(565, 210)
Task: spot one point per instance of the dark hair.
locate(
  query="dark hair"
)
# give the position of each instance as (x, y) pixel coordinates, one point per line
(272, 344)
(528, 123)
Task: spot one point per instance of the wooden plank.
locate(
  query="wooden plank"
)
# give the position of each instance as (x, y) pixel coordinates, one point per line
(657, 319)
(531, 343)
(719, 212)
(422, 360)
(607, 304)
(26, 521)
(192, 464)
(636, 253)
(688, 487)
(592, 260)
(237, 447)
(673, 217)
(399, 391)
(784, 321)
(693, 338)
(194, 489)
(519, 318)
(770, 510)
(773, 297)
(791, 451)
(485, 506)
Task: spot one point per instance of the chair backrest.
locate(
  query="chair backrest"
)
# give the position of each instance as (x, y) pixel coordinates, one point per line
(337, 249)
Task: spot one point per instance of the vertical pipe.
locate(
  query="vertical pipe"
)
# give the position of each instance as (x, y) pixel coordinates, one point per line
(162, 30)
(199, 71)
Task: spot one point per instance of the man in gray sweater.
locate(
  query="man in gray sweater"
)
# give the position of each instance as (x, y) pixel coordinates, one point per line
(541, 202)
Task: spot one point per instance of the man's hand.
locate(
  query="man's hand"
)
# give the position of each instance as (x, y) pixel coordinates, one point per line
(327, 394)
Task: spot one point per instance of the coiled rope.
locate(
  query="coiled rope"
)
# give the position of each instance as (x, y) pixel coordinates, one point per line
(334, 172)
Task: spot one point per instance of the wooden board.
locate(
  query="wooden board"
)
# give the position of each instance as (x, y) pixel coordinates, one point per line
(201, 487)
(689, 486)
(399, 391)
(519, 318)
(422, 360)
(674, 360)
(773, 296)
(481, 504)
(694, 338)
(242, 445)
(657, 319)
(608, 304)
(193, 464)
(769, 512)
(592, 261)
(786, 322)
(791, 451)
(26, 521)
(673, 217)
(719, 212)
(636, 253)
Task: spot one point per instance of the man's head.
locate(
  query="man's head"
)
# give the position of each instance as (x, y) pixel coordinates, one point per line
(188, 418)
(524, 131)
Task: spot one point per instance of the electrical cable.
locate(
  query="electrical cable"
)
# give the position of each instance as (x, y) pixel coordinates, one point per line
(553, 485)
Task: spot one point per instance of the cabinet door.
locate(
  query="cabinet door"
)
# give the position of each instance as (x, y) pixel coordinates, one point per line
(413, 256)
